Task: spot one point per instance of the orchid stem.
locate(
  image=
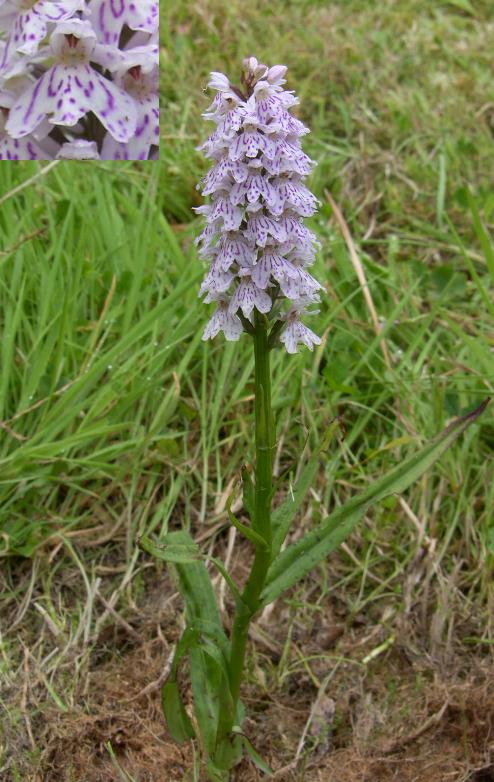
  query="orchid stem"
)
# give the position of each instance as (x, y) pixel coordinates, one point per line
(265, 443)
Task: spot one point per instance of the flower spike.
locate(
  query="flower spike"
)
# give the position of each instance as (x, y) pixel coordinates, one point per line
(255, 240)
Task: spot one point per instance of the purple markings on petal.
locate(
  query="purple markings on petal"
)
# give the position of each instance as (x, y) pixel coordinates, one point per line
(32, 102)
(51, 91)
(117, 12)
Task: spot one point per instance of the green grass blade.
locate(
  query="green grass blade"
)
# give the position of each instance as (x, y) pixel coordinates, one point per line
(482, 235)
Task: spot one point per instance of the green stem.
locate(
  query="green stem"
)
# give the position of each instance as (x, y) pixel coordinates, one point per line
(265, 443)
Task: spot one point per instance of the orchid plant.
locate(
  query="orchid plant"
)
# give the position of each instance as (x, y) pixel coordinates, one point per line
(79, 80)
(259, 251)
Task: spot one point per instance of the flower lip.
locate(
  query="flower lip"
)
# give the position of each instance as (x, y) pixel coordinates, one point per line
(80, 149)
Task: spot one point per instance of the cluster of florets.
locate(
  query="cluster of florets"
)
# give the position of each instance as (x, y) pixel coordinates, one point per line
(255, 239)
(79, 79)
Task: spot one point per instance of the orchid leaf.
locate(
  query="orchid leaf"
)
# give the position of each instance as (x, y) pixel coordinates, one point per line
(171, 550)
(253, 754)
(178, 723)
(284, 514)
(301, 557)
(177, 720)
(206, 643)
(247, 532)
(248, 494)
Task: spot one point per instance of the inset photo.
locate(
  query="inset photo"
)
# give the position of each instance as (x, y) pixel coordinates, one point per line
(79, 80)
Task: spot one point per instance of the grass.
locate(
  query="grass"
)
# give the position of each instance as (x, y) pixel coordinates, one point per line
(117, 419)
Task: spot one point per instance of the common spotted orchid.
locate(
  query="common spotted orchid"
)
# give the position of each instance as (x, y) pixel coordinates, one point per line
(255, 240)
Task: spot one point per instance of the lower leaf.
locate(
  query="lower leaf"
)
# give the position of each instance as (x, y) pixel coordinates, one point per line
(177, 720)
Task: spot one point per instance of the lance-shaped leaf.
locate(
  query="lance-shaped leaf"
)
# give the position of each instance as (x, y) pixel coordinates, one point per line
(178, 723)
(207, 681)
(177, 720)
(204, 640)
(170, 549)
(247, 532)
(284, 514)
(248, 494)
(301, 557)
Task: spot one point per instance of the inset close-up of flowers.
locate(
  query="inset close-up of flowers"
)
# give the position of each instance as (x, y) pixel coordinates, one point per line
(79, 80)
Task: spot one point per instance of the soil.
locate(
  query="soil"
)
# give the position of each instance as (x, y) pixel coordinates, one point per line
(400, 716)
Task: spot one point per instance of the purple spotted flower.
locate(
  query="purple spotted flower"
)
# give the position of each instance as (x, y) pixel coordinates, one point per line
(256, 243)
(71, 87)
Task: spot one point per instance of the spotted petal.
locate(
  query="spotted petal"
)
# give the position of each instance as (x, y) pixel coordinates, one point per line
(67, 93)
(20, 149)
(146, 135)
(109, 16)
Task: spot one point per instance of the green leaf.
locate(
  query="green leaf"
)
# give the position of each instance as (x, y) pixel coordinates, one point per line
(171, 550)
(247, 532)
(284, 514)
(228, 753)
(463, 5)
(177, 720)
(248, 494)
(254, 755)
(207, 645)
(229, 580)
(207, 681)
(194, 583)
(184, 553)
(301, 557)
